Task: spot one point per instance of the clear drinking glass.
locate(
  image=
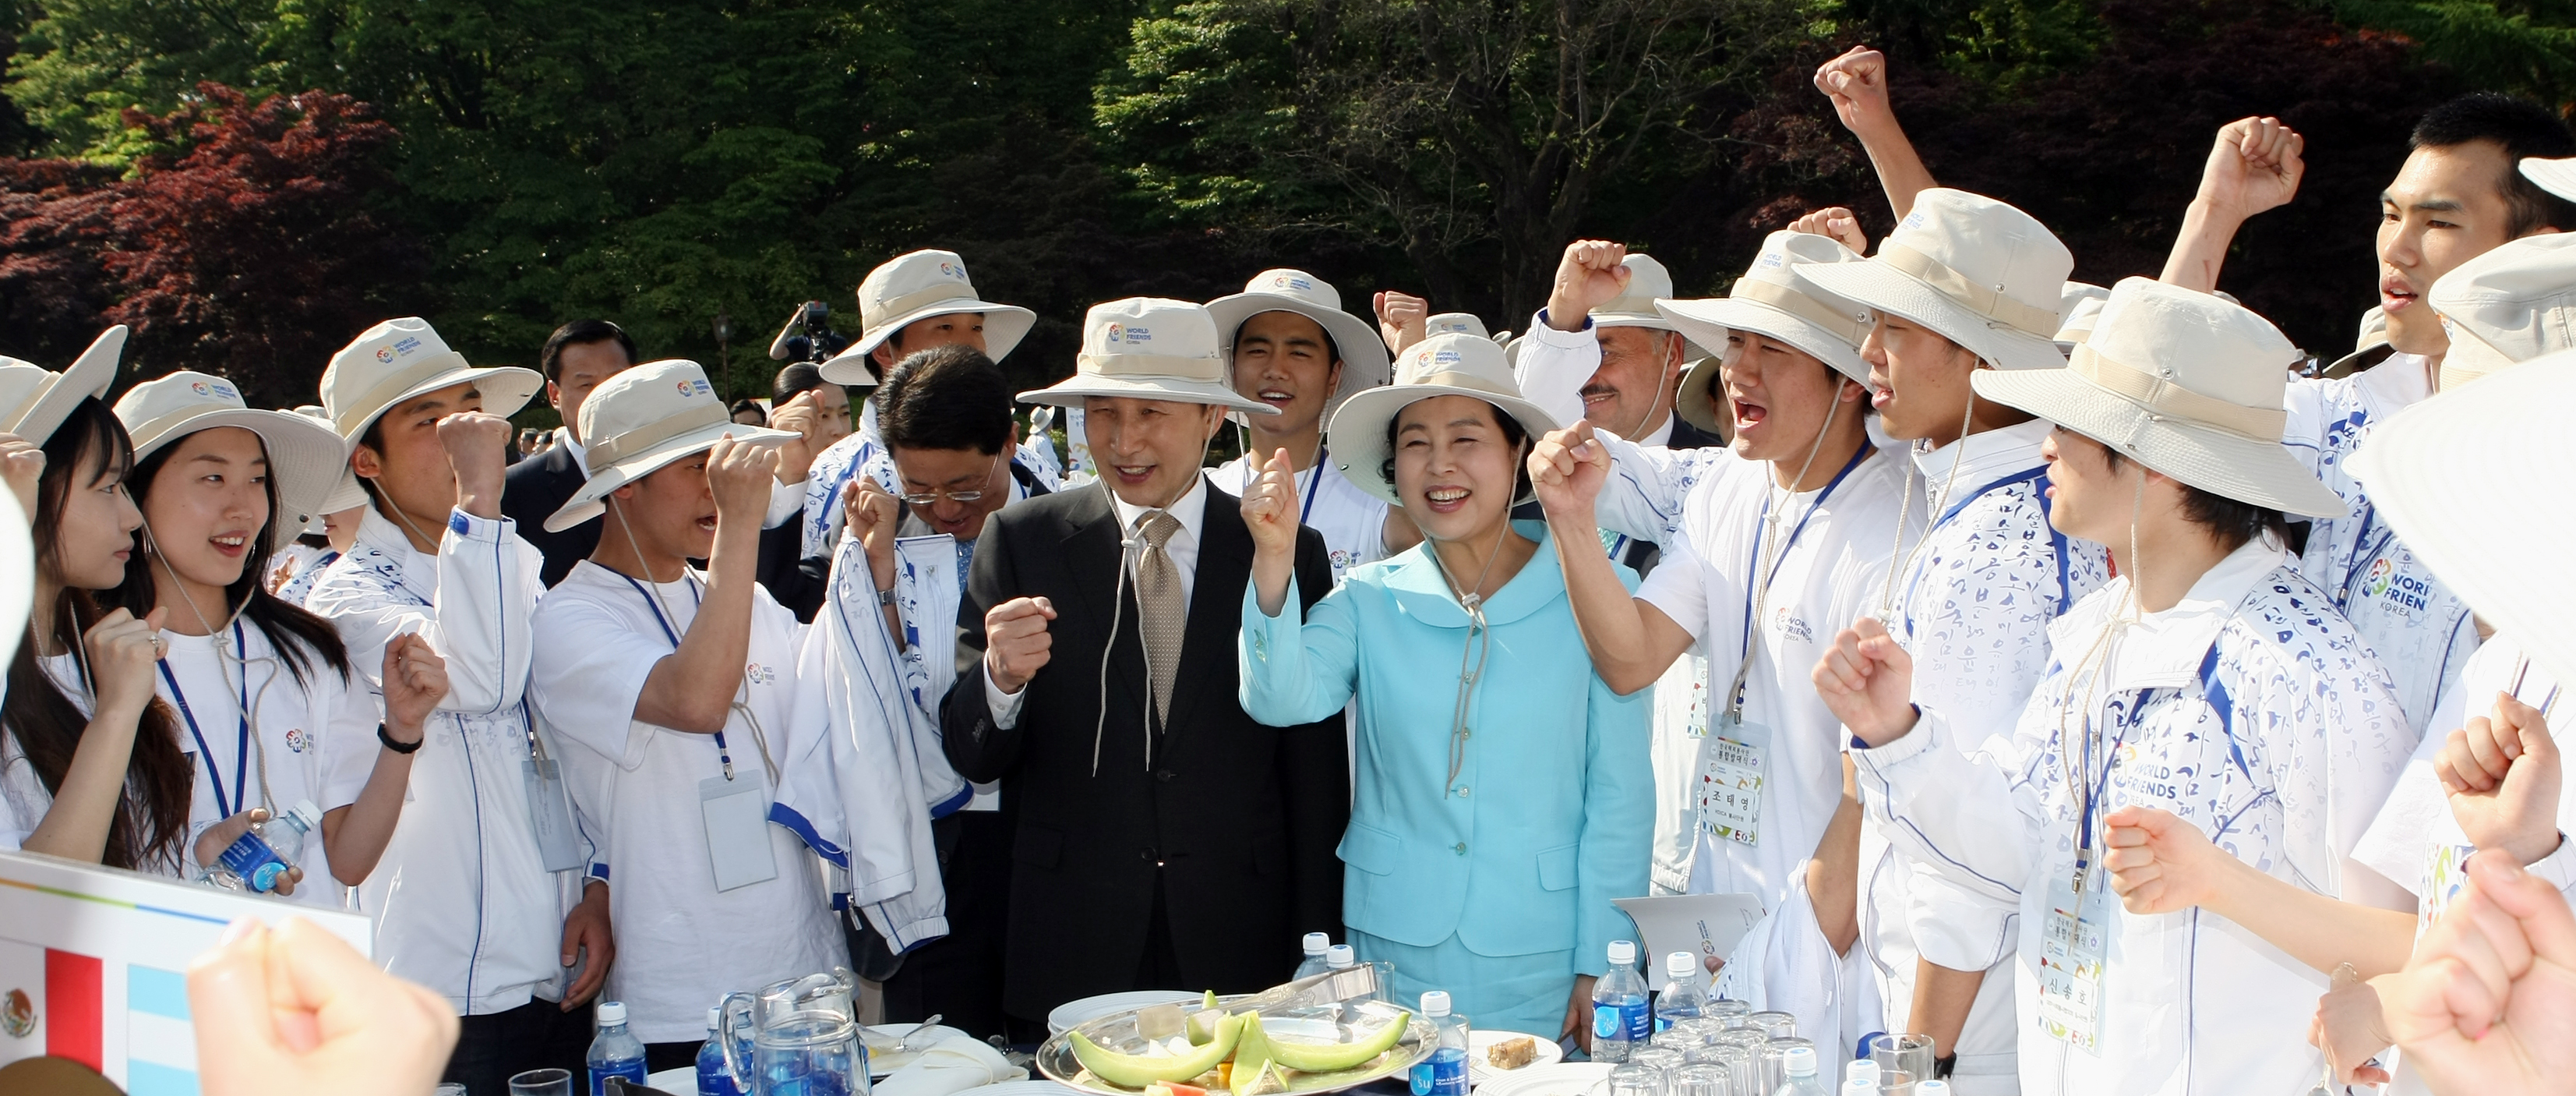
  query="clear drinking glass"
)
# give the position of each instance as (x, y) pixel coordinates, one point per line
(1744, 1038)
(451, 1088)
(1681, 1036)
(1774, 1061)
(1773, 1025)
(1634, 1079)
(1895, 1082)
(1703, 1080)
(1728, 1014)
(542, 1082)
(1907, 1054)
(1662, 1059)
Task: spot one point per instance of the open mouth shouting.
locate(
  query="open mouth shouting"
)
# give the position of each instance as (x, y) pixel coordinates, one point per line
(1276, 397)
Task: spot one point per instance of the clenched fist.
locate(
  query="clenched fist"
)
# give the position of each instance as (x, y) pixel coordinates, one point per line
(868, 513)
(1857, 84)
(741, 476)
(1567, 468)
(1270, 507)
(1016, 641)
(478, 448)
(804, 415)
(1837, 223)
(1402, 319)
(415, 680)
(1588, 276)
(122, 654)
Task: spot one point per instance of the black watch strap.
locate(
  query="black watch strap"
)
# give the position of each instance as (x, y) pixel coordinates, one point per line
(398, 747)
(1942, 1065)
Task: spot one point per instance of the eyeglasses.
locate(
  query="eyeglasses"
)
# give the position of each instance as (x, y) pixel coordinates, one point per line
(927, 498)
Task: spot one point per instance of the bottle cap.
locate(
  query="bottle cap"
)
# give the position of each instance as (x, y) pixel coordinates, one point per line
(1435, 1004)
(1317, 943)
(1863, 1070)
(305, 812)
(1339, 956)
(1931, 1086)
(612, 1012)
(1680, 964)
(1798, 1062)
(715, 1019)
(1622, 952)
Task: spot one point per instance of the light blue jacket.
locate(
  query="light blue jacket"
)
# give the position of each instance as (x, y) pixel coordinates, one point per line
(1552, 814)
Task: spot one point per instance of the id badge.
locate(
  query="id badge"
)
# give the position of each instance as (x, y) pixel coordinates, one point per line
(1732, 766)
(736, 814)
(2070, 964)
(548, 817)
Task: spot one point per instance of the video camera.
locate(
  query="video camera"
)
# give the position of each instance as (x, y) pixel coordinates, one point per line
(808, 336)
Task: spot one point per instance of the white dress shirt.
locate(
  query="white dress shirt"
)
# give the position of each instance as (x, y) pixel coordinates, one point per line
(1191, 509)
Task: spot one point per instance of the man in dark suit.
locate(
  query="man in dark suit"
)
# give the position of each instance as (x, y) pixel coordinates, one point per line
(1163, 839)
(577, 357)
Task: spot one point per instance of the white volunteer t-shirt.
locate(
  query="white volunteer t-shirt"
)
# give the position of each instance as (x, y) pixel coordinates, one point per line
(1352, 521)
(681, 944)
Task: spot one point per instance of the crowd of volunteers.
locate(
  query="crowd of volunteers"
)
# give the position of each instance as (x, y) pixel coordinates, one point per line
(2088, 680)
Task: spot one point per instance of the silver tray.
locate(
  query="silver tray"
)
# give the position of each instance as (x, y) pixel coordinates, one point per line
(1117, 1031)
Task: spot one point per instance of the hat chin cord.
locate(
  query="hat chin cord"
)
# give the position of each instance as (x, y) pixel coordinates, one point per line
(248, 706)
(1127, 546)
(653, 586)
(1905, 503)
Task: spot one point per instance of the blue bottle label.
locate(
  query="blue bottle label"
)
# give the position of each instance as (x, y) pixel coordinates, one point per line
(713, 1078)
(1639, 1020)
(632, 1069)
(246, 857)
(1606, 1023)
(1448, 1072)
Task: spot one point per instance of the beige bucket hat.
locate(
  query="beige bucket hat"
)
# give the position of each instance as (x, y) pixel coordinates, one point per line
(2477, 481)
(306, 457)
(2369, 346)
(1979, 272)
(2512, 304)
(643, 419)
(399, 359)
(1149, 348)
(1451, 364)
(346, 494)
(1648, 282)
(2079, 307)
(1776, 299)
(1449, 323)
(2184, 383)
(913, 287)
(1364, 359)
(35, 400)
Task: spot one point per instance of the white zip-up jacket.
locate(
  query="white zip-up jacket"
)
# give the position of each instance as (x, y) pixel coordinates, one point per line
(2250, 709)
(462, 899)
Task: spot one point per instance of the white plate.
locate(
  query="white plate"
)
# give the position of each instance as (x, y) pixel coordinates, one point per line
(1024, 1088)
(679, 1082)
(1480, 1071)
(1073, 1014)
(1559, 1079)
(882, 1039)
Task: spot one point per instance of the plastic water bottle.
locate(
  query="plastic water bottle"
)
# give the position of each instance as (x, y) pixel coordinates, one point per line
(713, 1078)
(615, 1052)
(1799, 1070)
(1864, 1073)
(259, 858)
(1340, 957)
(1931, 1086)
(1681, 999)
(1621, 1020)
(1316, 944)
(1445, 1072)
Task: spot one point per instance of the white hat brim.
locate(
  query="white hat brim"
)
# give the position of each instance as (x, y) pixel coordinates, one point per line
(1071, 391)
(1659, 322)
(304, 456)
(1357, 437)
(87, 376)
(1701, 378)
(592, 500)
(1004, 326)
(2555, 176)
(2260, 473)
(1887, 289)
(505, 389)
(1707, 321)
(1365, 362)
(2475, 481)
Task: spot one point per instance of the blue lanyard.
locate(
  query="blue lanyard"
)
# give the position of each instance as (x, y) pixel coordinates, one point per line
(1764, 580)
(224, 808)
(1312, 482)
(696, 600)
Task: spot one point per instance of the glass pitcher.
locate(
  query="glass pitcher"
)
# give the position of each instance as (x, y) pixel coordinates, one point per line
(800, 1037)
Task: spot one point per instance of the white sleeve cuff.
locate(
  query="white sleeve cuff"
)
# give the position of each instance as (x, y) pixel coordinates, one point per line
(1004, 706)
(2559, 867)
(786, 500)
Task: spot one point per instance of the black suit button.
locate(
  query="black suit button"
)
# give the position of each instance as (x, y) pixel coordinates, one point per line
(1165, 775)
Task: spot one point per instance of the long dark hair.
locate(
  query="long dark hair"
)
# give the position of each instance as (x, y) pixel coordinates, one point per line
(298, 636)
(151, 819)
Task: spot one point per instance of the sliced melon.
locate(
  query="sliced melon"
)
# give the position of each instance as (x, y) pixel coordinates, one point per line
(1330, 1057)
(1139, 1070)
(1251, 1057)
(1202, 1024)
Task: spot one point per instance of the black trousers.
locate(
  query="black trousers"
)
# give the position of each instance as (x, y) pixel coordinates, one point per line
(493, 1047)
(958, 977)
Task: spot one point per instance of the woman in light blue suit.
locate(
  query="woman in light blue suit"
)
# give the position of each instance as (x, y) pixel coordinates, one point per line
(1500, 801)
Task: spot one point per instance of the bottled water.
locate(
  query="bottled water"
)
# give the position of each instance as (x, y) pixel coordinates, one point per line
(714, 1079)
(1799, 1075)
(258, 859)
(1316, 945)
(1340, 957)
(1620, 1017)
(1863, 1072)
(615, 1052)
(1681, 999)
(1445, 1072)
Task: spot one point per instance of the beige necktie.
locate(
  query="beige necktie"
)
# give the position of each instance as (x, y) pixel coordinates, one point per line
(1163, 612)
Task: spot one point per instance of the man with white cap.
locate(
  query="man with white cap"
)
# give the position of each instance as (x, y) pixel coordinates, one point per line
(2455, 198)
(1165, 839)
(1289, 345)
(681, 689)
(488, 891)
(2209, 681)
(1972, 596)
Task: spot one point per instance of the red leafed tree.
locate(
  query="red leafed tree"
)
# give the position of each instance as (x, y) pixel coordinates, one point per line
(53, 221)
(256, 246)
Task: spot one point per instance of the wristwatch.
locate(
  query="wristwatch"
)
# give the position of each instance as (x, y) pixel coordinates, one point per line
(885, 597)
(399, 747)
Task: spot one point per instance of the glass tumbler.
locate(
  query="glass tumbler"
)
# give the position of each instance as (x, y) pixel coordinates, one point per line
(1633, 1079)
(1773, 1025)
(1907, 1054)
(1774, 1060)
(1703, 1080)
(542, 1082)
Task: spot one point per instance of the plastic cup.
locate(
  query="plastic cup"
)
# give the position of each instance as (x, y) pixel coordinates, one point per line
(542, 1082)
(1907, 1054)
(1633, 1079)
(1702, 1080)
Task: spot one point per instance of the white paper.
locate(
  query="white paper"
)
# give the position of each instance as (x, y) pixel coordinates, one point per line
(1702, 924)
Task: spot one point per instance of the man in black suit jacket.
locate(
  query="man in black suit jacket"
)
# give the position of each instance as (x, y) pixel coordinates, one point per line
(1185, 850)
(576, 358)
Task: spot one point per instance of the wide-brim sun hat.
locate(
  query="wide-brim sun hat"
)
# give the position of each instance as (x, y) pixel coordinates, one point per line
(346, 495)
(305, 457)
(639, 421)
(2512, 304)
(1454, 364)
(1976, 271)
(34, 400)
(2183, 383)
(1364, 358)
(2557, 176)
(2079, 306)
(404, 359)
(1648, 282)
(1773, 299)
(1445, 323)
(913, 287)
(2476, 482)
(2369, 347)
(1148, 348)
